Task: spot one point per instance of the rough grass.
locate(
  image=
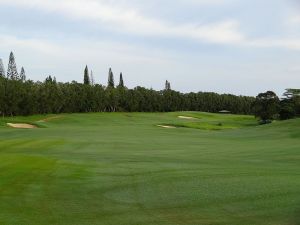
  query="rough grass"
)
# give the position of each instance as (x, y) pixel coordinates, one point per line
(122, 169)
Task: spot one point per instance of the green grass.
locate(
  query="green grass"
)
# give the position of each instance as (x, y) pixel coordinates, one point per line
(120, 168)
(208, 121)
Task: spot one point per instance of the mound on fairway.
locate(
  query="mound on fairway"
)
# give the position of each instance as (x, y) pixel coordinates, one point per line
(120, 168)
(213, 122)
(50, 119)
(21, 125)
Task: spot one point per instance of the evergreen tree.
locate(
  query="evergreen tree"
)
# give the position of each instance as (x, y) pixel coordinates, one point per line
(167, 85)
(92, 79)
(2, 69)
(22, 74)
(86, 76)
(291, 93)
(121, 83)
(111, 81)
(12, 72)
(293, 97)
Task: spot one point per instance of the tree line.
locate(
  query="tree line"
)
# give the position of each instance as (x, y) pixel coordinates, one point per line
(50, 96)
(19, 96)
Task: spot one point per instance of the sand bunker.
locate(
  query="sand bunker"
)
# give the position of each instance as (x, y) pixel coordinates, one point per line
(21, 125)
(169, 127)
(187, 117)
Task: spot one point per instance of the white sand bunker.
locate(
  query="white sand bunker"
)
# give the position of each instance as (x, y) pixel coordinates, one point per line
(168, 127)
(187, 117)
(21, 125)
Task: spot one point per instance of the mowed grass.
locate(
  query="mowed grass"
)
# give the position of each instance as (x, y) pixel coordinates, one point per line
(121, 169)
(209, 121)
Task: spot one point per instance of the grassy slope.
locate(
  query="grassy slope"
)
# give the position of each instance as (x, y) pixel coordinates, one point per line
(122, 169)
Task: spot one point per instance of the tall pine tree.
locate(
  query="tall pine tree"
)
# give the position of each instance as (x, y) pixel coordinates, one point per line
(2, 69)
(12, 71)
(111, 81)
(121, 83)
(23, 74)
(92, 81)
(167, 85)
(86, 79)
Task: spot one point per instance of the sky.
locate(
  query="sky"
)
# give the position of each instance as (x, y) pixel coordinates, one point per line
(225, 46)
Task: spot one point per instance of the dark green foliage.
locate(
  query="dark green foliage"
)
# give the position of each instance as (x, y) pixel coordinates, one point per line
(28, 97)
(86, 79)
(293, 96)
(111, 81)
(287, 109)
(266, 106)
(121, 83)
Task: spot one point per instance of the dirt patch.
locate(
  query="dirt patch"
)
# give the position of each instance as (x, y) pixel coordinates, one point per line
(187, 117)
(21, 125)
(168, 127)
(49, 119)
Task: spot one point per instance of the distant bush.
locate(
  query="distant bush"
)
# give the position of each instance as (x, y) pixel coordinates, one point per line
(264, 122)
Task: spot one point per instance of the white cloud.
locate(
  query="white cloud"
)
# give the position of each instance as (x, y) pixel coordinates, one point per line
(206, 2)
(98, 50)
(292, 44)
(131, 21)
(295, 19)
(11, 42)
(97, 53)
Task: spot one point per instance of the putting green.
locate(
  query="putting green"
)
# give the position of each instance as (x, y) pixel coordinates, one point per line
(121, 168)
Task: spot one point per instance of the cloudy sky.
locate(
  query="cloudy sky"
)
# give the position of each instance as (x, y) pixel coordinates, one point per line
(227, 46)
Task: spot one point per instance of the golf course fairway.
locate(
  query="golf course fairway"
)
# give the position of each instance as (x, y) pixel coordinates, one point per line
(132, 169)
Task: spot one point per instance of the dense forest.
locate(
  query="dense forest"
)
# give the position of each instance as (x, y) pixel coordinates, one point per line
(19, 96)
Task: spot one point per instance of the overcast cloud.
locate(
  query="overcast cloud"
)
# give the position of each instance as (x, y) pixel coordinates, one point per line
(231, 46)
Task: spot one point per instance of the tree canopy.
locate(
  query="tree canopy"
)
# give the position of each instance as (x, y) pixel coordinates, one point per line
(267, 106)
